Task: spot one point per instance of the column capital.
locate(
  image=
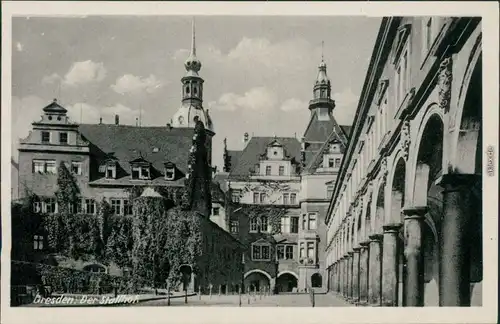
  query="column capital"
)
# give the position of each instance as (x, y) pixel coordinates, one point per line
(364, 244)
(346, 256)
(376, 237)
(350, 253)
(392, 227)
(356, 249)
(457, 181)
(415, 211)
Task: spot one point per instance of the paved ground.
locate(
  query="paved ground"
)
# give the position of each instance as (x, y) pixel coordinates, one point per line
(302, 300)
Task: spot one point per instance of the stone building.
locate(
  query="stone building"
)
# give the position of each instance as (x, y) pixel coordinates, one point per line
(108, 159)
(296, 176)
(405, 219)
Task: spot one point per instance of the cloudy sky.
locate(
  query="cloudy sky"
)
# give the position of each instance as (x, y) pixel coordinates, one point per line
(258, 71)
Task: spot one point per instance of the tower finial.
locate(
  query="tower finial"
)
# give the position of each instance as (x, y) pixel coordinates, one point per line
(193, 42)
(322, 49)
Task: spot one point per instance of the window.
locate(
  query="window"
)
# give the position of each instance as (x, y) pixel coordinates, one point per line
(286, 197)
(280, 252)
(38, 242)
(38, 166)
(254, 226)
(264, 224)
(311, 221)
(169, 173)
(116, 205)
(260, 252)
(294, 224)
(235, 225)
(76, 167)
(428, 34)
(216, 211)
(50, 167)
(37, 206)
(310, 250)
(255, 197)
(127, 207)
(89, 206)
(268, 170)
(281, 170)
(111, 171)
(337, 162)
(49, 206)
(304, 221)
(285, 224)
(331, 162)
(63, 138)
(293, 198)
(235, 195)
(289, 252)
(329, 192)
(262, 197)
(45, 137)
(302, 250)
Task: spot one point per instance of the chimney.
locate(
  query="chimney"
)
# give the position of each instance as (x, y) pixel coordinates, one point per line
(117, 120)
(100, 120)
(169, 126)
(245, 137)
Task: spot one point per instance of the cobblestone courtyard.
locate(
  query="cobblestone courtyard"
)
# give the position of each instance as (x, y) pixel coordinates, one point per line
(295, 300)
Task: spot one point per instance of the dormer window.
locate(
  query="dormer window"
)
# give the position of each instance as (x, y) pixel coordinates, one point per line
(169, 171)
(45, 137)
(141, 173)
(63, 138)
(111, 171)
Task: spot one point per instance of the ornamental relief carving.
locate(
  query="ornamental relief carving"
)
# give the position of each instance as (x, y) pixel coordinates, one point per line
(383, 170)
(445, 78)
(405, 139)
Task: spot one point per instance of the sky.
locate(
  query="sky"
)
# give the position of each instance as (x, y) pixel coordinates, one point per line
(259, 71)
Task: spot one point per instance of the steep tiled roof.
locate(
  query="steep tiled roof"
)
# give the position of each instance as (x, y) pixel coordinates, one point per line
(249, 157)
(124, 143)
(318, 130)
(317, 157)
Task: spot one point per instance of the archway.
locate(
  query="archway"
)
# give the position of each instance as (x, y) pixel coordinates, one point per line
(469, 140)
(316, 280)
(186, 273)
(427, 193)
(257, 279)
(286, 281)
(396, 217)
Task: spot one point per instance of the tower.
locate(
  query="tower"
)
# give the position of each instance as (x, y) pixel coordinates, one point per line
(191, 109)
(322, 104)
(192, 93)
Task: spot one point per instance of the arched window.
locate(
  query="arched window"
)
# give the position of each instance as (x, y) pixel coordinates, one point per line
(316, 280)
(187, 89)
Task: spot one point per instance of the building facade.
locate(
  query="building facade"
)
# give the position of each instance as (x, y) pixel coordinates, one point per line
(279, 188)
(405, 220)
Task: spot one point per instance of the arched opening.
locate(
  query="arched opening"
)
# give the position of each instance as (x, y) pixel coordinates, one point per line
(470, 138)
(396, 205)
(286, 282)
(316, 280)
(186, 272)
(368, 221)
(379, 212)
(429, 169)
(257, 280)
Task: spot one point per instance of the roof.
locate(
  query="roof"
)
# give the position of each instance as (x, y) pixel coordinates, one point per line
(249, 156)
(319, 130)
(54, 107)
(217, 193)
(157, 145)
(317, 156)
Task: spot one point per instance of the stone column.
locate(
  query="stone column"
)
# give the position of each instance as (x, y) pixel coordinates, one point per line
(349, 275)
(346, 275)
(341, 276)
(454, 274)
(414, 281)
(390, 265)
(338, 275)
(375, 281)
(363, 273)
(355, 275)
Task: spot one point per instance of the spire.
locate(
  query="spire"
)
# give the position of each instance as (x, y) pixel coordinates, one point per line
(193, 42)
(192, 64)
(322, 49)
